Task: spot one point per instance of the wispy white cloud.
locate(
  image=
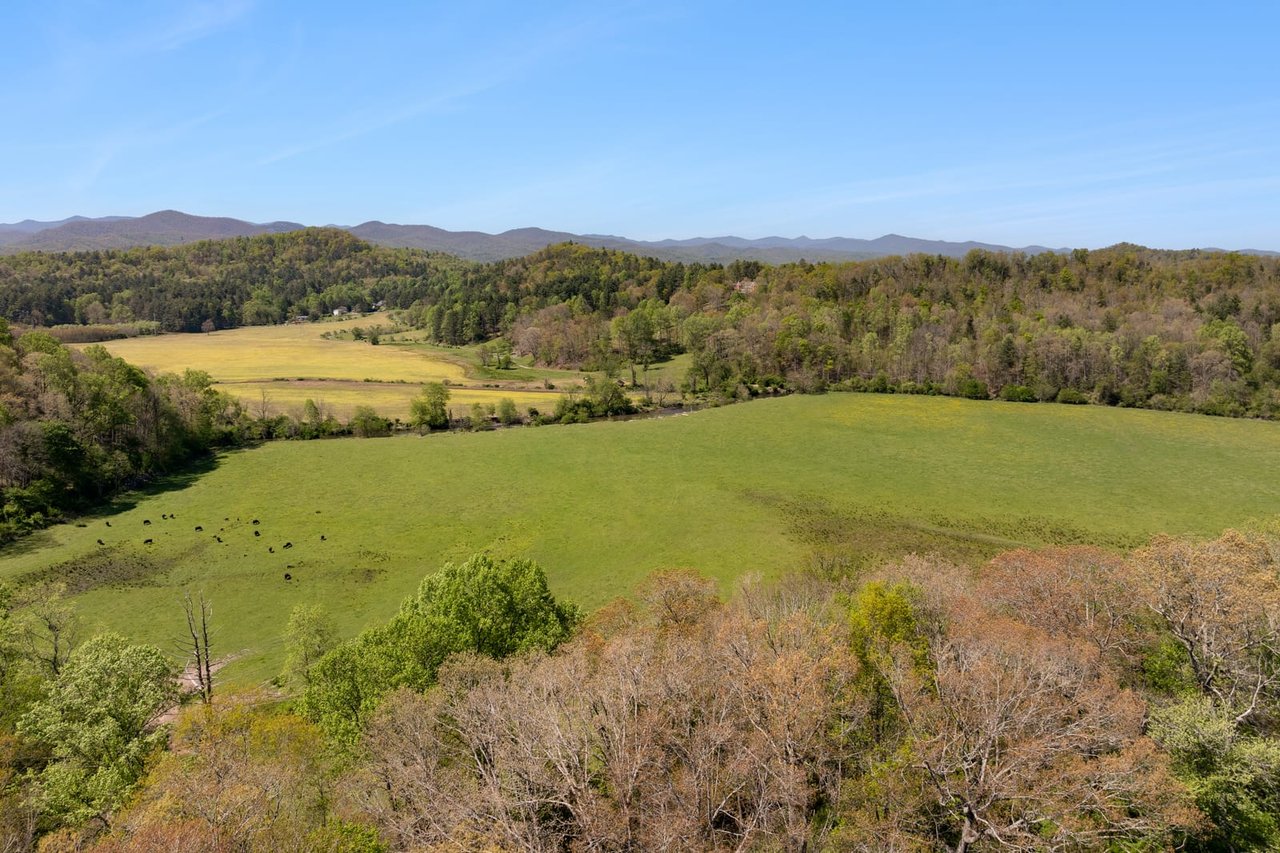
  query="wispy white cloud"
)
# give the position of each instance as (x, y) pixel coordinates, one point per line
(365, 122)
(99, 153)
(195, 22)
(1043, 179)
(502, 64)
(81, 54)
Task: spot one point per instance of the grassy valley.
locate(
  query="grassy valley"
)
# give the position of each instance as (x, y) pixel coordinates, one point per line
(542, 512)
(765, 487)
(776, 600)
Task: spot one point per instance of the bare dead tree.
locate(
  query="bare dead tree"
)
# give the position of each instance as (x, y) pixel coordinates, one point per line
(263, 406)
(1221, 601)
(199, 613)
(682, 725)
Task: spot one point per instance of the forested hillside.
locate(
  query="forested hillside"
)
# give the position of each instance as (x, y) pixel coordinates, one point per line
(1191, 331)
(221, 283)
(1066, 699)
(75, 427)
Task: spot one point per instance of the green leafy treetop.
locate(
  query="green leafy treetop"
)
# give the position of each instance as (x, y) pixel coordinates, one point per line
(491, 607)
(494, 607)
(429, 410)
(99, 724)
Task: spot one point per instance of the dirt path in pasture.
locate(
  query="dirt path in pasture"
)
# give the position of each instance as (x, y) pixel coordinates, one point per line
(189, 684)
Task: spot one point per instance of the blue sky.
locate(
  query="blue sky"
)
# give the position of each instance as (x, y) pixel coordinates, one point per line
(1067, 124)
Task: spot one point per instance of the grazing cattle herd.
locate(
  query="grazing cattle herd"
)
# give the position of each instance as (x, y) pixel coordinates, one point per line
(217, 537)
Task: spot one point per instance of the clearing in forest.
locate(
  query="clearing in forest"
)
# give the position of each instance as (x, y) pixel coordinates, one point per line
(275, 369)
(766, 487)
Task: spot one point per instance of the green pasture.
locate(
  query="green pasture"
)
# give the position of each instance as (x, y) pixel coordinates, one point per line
(763, 487)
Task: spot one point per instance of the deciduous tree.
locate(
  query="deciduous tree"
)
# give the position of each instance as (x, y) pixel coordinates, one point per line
(1220, 600)
(308, 635)
(429, 409)
(99, 723)
(490, 607)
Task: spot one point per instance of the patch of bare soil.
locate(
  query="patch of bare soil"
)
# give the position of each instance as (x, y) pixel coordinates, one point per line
(188, 685)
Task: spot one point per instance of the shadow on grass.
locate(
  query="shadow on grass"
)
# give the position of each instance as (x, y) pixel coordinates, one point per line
(122, 502)
(174, 482)
(847, 540)
(27, 544)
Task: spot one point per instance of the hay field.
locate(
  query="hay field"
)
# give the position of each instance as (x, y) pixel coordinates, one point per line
(293, 351)
(340, 398)
(282, 366)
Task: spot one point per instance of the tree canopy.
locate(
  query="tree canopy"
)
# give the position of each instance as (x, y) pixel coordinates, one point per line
(486, 606)
(97, 722)
(1190, 330)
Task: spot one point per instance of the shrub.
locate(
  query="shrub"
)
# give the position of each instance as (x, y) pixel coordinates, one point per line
(973, 389)
(1072, 397)
(1017, 394)
(507, 412)
(367, 423)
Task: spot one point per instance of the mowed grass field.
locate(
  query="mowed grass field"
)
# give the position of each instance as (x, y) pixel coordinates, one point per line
(293, 351)
(759, 487)
(283, 366)
(389, 399)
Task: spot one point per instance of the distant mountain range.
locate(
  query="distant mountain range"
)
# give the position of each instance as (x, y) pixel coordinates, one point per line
(165, 228)
(172, 227)
(521, 241)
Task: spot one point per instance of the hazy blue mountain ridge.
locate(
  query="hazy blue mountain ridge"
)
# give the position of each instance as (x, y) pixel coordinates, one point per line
(172, 227)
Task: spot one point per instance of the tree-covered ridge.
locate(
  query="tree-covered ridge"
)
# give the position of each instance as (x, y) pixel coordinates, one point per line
(1124, 325)
(77, 426)
(1192, 331)
(225, 283)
